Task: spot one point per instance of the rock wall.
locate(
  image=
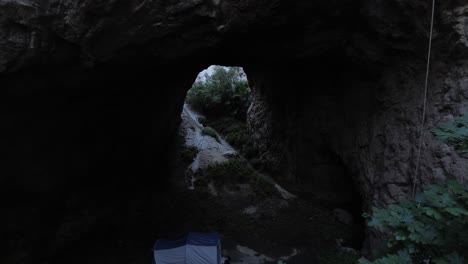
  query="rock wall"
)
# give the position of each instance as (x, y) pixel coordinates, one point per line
(370, 120)
(364, 103)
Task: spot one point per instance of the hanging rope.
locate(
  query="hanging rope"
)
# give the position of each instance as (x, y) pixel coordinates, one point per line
(418, 157)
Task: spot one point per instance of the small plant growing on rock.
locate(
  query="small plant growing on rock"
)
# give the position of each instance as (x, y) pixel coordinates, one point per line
(234, 132)
(202, 120)
(262, 187)
(208, 131)
(454, 133)
(238, 170)
(189, 153)
(428, 229)
(432, 228)
(234, 170)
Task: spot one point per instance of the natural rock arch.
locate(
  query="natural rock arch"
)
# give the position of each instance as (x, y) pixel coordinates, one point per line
(89, 97)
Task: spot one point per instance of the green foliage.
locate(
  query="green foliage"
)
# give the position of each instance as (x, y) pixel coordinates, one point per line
(401, 257)
(224, 92)
(234, 170)
(234, 131)
(238, 170)
(202, 120)
(208, 131)
(188, 154)
(338, 256)
(262, 187)
(454, 133)
(433, 226)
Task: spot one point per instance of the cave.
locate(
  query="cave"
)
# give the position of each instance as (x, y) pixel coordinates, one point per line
(92, 92)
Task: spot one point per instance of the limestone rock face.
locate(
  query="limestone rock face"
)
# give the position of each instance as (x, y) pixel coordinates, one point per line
(91, 92)
(370, 120)
(92, 32)
(365, 104)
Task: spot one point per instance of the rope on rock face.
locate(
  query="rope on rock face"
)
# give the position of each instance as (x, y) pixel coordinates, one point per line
(418, 158)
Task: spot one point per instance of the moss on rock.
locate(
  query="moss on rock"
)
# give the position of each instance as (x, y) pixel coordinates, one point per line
(209, 131)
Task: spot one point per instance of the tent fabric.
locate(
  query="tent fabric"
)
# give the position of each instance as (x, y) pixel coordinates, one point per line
(162, 244)
(194, 248)
(203, 239)
(201, 254)
(172, 255)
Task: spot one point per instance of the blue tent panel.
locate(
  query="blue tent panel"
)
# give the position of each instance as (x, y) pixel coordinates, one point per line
(203, 239)
(195, 248)
(171, 256)
(201, 254)
(162, 244)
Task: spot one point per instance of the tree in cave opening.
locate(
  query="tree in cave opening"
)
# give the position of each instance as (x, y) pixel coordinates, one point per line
(222, 96)
(221, 91)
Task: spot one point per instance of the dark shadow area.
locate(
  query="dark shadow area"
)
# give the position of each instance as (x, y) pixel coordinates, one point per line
(240, 200)
(329, 184)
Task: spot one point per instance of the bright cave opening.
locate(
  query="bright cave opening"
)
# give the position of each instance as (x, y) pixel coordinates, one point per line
(261, 219)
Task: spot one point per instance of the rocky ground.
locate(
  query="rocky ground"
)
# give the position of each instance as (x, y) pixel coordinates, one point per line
(258, 220)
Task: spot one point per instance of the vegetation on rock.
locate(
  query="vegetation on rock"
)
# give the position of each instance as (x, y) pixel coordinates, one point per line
(338, 256)
(202, 120)
(188, 154)
(431, 228)
(224, 97)
(262, 187)
(208, 131)
(235, 132)
(223, 93)
(454, 133)
(234, 170)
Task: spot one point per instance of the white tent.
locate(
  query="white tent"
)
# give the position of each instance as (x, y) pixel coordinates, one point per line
(194, 248)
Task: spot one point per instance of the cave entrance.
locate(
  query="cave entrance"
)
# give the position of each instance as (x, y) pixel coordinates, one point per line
(220, 91)
(230, 191)
(214, 117)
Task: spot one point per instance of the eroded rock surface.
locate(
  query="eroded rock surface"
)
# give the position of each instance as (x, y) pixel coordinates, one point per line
(91, 94)
(365, 104)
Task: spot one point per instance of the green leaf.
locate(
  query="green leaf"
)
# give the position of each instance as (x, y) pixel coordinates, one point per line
(456, 211)
(431, 225)
(453, 258)
(454, 132)
(431, 212)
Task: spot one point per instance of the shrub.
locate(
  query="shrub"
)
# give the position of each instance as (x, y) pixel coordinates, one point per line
(189, 153)
(237, 138)
(454, 133)
(430, 227)
(225, 92)
(208, 131)
(234, 170)
(238, 170)
(233, 130)
(338, 256)
(263, 188)
(202, 120)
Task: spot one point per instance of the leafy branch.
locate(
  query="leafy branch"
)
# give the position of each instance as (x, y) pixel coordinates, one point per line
(432, 227)
(454, 133)
(428, 229)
